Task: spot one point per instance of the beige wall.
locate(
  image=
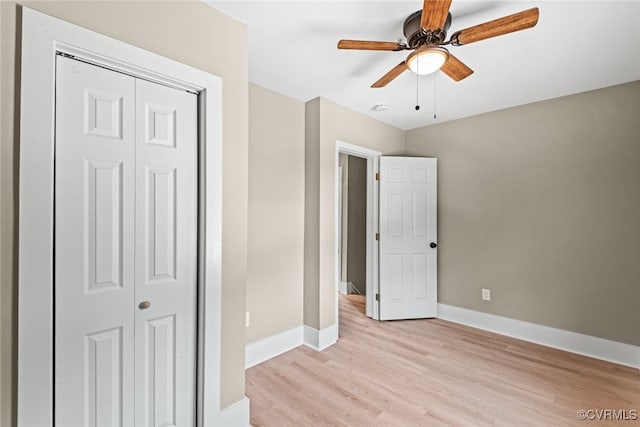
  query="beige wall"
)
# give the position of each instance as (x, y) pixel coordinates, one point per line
(327, 122)
(343, 161)
(8, 213)
(311, 274)
(353, 221)
(357, 220)
(541, 204)
(189, 32)
(276, 213)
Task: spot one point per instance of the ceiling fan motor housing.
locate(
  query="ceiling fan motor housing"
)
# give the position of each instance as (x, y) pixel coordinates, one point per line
(417, 37)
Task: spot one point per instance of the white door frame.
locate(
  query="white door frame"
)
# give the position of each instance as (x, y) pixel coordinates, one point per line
(42, 38)
(373, 158)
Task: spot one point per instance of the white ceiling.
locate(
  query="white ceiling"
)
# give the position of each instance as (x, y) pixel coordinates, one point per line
(577, 46)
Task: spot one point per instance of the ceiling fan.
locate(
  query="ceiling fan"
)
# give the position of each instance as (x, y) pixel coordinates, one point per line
(426, 34)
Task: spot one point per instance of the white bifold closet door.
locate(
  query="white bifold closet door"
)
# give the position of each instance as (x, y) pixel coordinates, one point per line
(125, 250)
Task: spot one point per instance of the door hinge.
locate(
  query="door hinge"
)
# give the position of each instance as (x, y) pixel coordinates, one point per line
(377, 236)
(377, 176)
(377, 297)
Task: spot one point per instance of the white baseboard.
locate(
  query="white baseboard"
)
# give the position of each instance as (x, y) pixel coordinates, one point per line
(599, 348)
(343, 287)
(236, 415)
(320, 339)
(265, 349)
(272, 346)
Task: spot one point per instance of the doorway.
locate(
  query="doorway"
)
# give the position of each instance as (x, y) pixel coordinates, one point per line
(366, 165)
(401, 228)
(353, 221)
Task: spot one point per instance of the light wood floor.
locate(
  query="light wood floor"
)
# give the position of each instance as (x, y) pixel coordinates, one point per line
(433, 372)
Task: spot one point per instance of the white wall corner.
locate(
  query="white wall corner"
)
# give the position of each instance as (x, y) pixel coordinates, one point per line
(263, 350)
(320, 339)
(586, 345)
(236, 415)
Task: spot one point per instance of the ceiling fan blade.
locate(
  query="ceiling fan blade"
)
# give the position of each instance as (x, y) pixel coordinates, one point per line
(392, 74)
(434, 14)
(456, 69)
(497, 27)
(369, 45)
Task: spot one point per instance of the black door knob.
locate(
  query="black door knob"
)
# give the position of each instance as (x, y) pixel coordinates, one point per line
(433, 245)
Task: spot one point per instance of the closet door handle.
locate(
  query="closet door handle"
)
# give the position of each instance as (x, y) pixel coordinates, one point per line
(433, 245)
(144, 305)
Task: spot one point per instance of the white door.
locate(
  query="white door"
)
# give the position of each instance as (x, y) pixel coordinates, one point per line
(166, 255)
(408, 253)
(125, 234)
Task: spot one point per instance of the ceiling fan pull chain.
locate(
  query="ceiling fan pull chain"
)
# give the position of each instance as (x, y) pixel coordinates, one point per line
(417, 92)
(435, 76)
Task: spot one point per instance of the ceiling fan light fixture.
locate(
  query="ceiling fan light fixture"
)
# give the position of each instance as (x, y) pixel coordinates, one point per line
(427, 59)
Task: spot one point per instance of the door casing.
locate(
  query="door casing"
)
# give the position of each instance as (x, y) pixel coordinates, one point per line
(43, 37)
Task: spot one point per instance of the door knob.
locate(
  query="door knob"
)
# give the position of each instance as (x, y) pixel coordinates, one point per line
(144, 305)
(433, 245)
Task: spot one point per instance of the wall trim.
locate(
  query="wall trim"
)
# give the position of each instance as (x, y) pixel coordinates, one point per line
(320, 339)
(270, 347)
(236, 415)
(266, 348)
(586, 345)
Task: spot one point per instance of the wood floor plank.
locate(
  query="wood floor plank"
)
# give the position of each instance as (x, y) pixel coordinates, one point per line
(434, 373)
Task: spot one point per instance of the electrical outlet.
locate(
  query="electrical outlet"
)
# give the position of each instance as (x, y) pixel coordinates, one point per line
(486, 294)
(247, 319)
